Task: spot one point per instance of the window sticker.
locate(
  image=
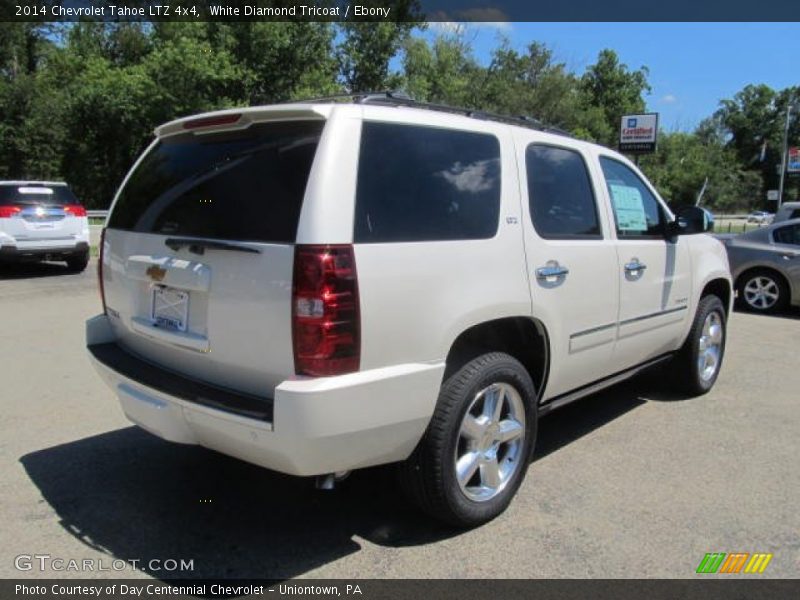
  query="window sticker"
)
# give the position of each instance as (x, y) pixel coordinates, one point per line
(628, 207)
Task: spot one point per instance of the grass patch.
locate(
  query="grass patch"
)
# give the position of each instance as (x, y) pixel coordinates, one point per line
(733, 227)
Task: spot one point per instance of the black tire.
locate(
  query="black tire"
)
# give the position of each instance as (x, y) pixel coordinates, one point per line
(686, 372)
(773, 281)
(428, 477)
(78, 263)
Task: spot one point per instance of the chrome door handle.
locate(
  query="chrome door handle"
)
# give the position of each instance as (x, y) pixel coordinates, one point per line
(551, 271)
(634, 266)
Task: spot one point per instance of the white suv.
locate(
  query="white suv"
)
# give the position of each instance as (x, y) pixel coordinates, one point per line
(324, 286)
(42, 221)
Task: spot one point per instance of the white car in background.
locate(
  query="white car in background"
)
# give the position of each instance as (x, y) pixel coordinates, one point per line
(761, 217)
(42, 221)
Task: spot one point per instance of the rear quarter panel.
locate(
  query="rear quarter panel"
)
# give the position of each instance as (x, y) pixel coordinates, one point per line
(417, 298)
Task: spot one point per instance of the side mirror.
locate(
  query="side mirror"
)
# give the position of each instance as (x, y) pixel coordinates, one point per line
(690, 220)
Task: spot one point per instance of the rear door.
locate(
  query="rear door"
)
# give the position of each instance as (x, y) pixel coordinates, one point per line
(654, 273)
(43, 215)
(199, 251)
(572, 262)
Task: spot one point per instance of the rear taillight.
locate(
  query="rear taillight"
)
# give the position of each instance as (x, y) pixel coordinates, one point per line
(100, 269)
(326, 326)
(76, 210)
(6, 212)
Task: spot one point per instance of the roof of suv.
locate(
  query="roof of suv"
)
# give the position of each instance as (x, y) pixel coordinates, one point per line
(322, 108)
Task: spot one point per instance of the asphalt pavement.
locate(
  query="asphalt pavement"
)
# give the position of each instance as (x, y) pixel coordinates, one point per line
(634, 482)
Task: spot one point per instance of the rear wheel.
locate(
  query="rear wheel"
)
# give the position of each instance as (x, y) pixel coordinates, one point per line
(78, 263)
(476, 451)
(762, 290)
(697, 365)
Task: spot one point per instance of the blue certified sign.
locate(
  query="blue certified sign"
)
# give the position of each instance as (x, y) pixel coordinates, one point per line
(631, 122)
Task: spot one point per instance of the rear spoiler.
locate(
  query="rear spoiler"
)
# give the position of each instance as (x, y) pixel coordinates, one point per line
(241, 118)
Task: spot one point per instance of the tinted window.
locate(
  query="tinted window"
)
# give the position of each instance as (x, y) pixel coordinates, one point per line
(421, 183)
(637, 213)
(53, 195)
(560, 193)
(787, 235)
(241, 185)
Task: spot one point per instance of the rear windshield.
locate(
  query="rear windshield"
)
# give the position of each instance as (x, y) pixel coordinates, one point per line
(50, 195)
(241, 185)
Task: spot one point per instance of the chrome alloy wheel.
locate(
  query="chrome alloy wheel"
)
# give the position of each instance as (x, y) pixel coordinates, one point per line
(490, 442)
(761, 292)
(711, 338)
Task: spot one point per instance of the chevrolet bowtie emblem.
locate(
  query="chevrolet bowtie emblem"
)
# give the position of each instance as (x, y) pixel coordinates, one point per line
(156, 273)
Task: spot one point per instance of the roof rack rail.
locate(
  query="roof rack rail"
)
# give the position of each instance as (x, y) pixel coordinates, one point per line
(400, 98)
(356, 97)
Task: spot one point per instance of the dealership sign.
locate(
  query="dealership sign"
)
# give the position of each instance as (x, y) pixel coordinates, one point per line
(638, 133)
(793, 165)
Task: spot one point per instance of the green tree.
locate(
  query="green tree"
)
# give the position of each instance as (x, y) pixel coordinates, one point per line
(367, 47)
(752, 125)
(613, 90)
(531, 83)
(683, 163)
(443, 72)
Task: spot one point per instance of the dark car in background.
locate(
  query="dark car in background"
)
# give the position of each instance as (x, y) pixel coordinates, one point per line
(787, 211)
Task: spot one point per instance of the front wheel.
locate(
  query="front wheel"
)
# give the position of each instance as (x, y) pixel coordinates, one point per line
(475, 452)
(697, 365)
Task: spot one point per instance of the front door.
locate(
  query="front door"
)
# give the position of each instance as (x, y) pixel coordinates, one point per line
(654, 273)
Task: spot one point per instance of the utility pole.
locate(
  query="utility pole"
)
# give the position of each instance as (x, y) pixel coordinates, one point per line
(702, 191)
(784, 154)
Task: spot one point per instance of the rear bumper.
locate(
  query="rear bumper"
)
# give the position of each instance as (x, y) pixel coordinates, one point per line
(36, 251)
(305, 427)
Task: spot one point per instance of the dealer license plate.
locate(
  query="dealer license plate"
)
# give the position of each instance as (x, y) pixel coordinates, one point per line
(170, 308)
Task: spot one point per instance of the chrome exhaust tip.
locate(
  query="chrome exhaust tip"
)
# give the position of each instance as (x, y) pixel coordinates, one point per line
(329, 480)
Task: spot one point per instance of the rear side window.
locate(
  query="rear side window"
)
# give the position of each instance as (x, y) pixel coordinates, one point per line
(560, 194)
(423, 184)
(240, 185)
(51, 195)
(787, 235)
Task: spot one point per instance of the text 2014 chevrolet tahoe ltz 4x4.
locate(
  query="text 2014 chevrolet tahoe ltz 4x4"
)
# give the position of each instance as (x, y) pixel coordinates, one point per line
(324, 286)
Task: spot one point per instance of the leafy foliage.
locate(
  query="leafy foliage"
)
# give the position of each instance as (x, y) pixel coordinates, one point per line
(79, 101)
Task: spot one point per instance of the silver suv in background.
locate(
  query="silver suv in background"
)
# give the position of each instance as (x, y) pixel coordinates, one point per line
(43, 220)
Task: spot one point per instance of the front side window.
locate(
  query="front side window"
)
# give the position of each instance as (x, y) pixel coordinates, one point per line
(637, 212)
(787, 235)
(562, 203)
(424, 184)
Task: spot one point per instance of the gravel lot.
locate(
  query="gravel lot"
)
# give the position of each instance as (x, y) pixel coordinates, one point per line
(632, 482)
